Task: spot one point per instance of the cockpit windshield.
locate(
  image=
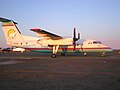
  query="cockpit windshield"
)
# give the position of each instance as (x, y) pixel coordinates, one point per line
(97, 42)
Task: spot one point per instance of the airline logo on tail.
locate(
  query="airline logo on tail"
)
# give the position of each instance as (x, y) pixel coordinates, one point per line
(11, 33)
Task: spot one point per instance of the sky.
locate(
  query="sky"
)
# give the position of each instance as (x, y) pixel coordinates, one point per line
(94, 19)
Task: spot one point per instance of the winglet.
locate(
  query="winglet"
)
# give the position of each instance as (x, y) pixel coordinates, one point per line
(6, 20)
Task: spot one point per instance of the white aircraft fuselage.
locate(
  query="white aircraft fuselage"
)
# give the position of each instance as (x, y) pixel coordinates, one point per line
(49, 42)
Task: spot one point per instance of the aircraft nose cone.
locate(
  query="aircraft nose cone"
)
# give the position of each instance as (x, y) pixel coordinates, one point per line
(108, 48)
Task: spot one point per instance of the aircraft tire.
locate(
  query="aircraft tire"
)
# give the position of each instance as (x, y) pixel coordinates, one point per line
(53, 55)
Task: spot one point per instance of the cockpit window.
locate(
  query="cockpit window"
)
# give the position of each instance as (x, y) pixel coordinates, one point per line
(97, 42)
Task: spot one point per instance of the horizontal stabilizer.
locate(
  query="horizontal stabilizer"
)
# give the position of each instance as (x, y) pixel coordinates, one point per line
(6, 20)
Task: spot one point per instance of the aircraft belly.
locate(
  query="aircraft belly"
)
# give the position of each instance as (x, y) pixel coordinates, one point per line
(96, 50)
(69, 49)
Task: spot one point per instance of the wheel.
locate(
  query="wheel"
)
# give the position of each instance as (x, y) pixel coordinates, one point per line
(62, 54)
(84, 54)
(53, 55)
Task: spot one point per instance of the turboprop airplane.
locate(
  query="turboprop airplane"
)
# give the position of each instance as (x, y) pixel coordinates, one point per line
(49, 42)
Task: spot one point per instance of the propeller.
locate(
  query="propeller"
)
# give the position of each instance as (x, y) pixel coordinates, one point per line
(75, 39)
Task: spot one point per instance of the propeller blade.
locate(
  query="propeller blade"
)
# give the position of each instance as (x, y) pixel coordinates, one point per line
(74, 39)
(74, 34)
(78, 35)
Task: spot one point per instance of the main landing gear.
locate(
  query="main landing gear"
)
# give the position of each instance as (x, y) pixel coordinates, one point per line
(55, 49)
(54, 55)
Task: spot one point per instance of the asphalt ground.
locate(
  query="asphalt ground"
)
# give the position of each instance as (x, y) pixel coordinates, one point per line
(38, 71)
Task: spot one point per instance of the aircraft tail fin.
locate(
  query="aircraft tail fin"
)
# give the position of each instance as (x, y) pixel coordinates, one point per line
(12, 34)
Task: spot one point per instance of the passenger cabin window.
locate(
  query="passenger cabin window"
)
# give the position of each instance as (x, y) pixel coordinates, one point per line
(90, 43)
(97, 42)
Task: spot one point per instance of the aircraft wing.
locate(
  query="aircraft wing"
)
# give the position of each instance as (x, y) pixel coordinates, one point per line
(46, 34)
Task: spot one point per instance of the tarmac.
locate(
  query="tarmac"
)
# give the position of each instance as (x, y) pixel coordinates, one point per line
(38, 71)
